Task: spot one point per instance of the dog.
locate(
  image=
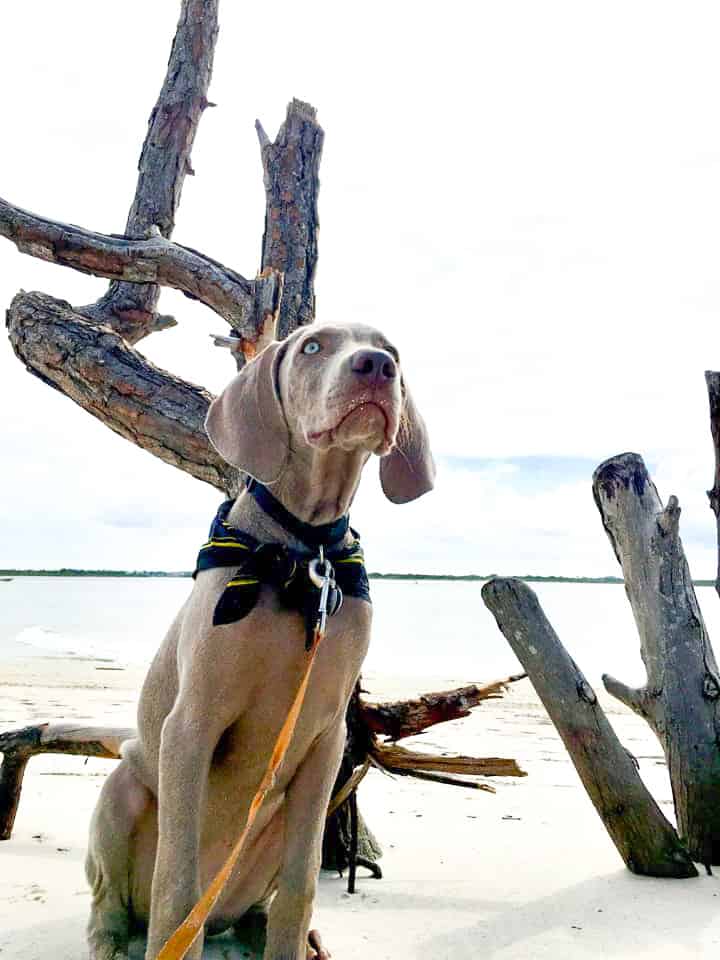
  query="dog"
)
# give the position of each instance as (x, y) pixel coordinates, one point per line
(302, 418)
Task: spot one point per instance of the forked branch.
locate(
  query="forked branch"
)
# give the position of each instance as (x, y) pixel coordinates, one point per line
(154, 260)
(681, 700)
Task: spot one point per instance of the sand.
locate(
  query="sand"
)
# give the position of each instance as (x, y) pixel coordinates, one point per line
(527, 873)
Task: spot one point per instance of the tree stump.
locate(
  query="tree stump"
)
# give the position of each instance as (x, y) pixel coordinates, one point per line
(681, 698)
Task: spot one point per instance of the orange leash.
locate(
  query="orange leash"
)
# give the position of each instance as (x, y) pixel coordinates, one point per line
(188, 931)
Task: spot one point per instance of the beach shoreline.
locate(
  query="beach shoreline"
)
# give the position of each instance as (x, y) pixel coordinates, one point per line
(526, 873)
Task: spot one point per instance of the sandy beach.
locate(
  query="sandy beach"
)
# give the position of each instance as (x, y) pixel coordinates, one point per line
(526, 873)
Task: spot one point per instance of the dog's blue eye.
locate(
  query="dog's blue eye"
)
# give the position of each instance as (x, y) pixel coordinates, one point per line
(312, 346)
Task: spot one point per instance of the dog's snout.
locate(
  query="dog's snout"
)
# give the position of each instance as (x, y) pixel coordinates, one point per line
(374, 365)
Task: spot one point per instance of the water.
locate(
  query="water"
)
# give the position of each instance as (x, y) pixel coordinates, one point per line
(421, 628)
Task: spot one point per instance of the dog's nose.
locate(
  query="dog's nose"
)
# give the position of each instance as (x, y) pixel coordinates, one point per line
(374, 365)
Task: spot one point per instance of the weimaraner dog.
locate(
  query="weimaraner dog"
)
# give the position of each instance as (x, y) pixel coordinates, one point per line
(302, 418)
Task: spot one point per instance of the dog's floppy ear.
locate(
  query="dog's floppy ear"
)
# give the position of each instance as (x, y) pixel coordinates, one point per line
(408, 471)
(246, 423)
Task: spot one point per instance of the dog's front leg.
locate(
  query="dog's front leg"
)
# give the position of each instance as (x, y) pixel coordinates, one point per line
(307, 801)
(186, 751)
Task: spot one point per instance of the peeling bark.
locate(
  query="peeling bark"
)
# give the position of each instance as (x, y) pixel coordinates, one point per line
(681, 698)
(643, 837)
(713, 387)
(398, 759)
(154, 260)
(108, 378)
(129, 308)
(405, 718)
(290, 241)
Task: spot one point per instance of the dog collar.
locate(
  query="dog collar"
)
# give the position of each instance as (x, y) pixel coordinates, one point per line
(321, 535)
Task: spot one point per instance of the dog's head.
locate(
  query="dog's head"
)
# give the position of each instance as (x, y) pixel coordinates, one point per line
(324, 387)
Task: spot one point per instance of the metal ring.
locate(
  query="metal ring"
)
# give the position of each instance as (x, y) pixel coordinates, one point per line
(317, 578)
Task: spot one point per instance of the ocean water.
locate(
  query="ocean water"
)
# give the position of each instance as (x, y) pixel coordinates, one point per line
(420, 628)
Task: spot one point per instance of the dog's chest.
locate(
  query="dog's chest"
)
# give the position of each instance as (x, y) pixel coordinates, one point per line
(275, 673)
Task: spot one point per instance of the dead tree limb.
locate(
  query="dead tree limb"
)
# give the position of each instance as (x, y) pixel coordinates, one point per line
(406, 718)
(153, 260)
(681, 698)
(129, 308)
(108, 378)
(644, 839)
(290, 242)
(712, 380)
(18, 746)
(87, 352)
(394, 757)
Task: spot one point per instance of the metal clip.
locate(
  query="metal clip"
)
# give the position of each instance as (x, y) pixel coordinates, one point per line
(324, 582)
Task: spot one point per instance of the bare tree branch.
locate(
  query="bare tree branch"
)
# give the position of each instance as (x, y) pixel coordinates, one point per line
(102, 373)
(155, 260)
(18, 746)
(128, 308)
(290, 241)
(405, 718)
(643, 837)
(395, 758)
(635, 698)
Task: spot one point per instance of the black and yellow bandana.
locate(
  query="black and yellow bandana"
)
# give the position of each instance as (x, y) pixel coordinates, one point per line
(257, 563)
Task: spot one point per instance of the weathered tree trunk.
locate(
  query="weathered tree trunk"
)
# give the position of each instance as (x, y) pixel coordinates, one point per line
(644, 839)
(338, 840)
(290, 167)
(129, 308)
(681, 698)
(712, 380)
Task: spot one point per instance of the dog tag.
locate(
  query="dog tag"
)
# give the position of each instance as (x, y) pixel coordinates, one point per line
(335, 599)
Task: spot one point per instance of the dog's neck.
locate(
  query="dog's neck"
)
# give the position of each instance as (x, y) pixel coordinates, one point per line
(317, 487)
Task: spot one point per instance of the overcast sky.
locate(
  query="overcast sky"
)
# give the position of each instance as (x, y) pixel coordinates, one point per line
(524, 196)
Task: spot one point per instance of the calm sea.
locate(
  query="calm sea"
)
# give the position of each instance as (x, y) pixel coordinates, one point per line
(421, 628)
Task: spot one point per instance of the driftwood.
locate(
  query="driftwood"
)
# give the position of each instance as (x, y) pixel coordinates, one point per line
(18, 746)
(712, 380)
(681, 700)
(644, 839)
(406, 718)
(130, 308)
(87, 352)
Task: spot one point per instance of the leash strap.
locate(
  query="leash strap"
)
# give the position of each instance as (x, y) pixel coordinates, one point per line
(188, 931)
(180, 942)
